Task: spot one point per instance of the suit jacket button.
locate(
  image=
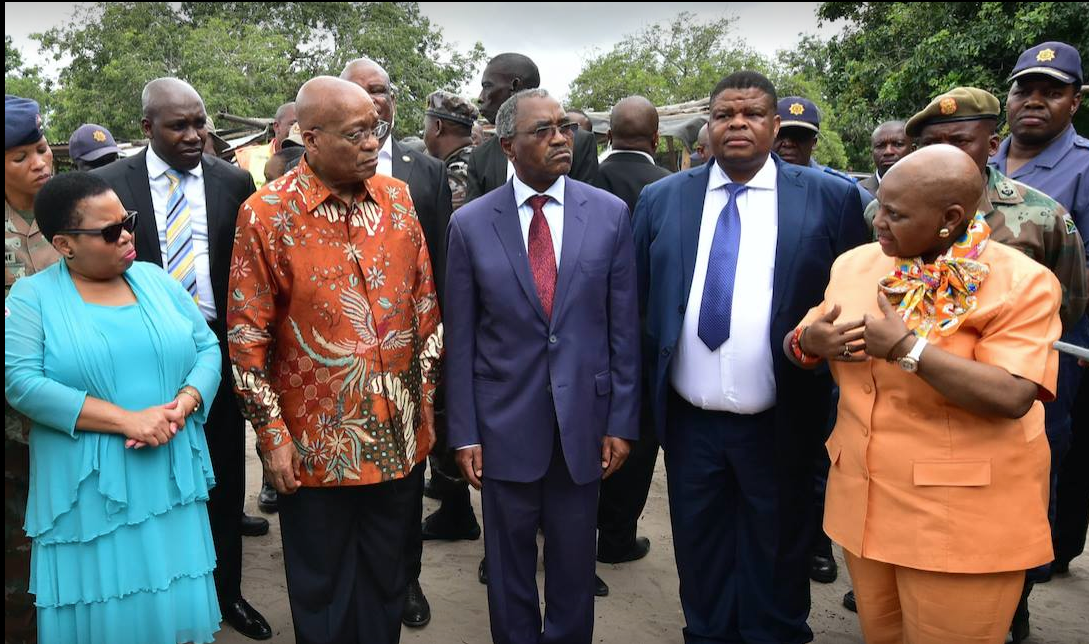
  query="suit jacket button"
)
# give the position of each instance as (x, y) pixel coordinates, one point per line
(665, 352)
(680, 309)
(552, 339)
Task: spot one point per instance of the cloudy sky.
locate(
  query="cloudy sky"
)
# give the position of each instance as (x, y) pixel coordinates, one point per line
(558, 36)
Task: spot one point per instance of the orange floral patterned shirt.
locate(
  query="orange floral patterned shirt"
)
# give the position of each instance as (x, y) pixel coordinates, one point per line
(334, 329)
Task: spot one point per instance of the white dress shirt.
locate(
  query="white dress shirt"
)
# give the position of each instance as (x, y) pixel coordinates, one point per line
(739, 376)
(553, 212)
(193, 185)
(385, 158)
(611, 151)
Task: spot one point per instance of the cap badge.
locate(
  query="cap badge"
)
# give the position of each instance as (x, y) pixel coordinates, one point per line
(948, 106)
(1045, 55)
(797, 109)
(99, 136)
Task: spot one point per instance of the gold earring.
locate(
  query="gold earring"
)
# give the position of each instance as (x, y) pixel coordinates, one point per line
(943, 233)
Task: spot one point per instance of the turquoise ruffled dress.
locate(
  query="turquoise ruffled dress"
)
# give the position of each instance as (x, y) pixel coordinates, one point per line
(122, 547)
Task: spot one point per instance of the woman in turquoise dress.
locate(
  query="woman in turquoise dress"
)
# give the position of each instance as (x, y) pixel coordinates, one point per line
(112, 360)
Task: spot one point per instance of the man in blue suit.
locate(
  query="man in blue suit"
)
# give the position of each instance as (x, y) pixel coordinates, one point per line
(542, 365)
(730, 256)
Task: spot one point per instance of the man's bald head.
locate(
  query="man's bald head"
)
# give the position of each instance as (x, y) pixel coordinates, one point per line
(633, 125)
(167, 91)
(703, 144)
(174, 121)
(326, 100)
(372, 77)
(363, 65)
(517, 66)
(942, 174)
(888, 144)
(339, 111)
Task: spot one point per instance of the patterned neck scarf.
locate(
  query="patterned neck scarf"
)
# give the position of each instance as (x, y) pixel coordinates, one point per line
(942, 294)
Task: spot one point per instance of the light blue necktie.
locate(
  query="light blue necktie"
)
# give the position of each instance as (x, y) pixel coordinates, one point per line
(718, 289)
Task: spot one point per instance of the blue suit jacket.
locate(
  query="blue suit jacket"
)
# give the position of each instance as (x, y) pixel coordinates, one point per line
(820, 217)
(512, 375)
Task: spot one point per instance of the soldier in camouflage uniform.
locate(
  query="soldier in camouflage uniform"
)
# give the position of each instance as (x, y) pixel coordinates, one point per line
(28, 164)
(448, 129)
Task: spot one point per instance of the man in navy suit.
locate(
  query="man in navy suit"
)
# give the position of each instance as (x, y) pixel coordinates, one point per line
(542, 365)
(730, 256)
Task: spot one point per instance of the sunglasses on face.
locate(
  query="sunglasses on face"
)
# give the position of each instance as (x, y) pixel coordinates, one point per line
(110, 233)
(546, 132)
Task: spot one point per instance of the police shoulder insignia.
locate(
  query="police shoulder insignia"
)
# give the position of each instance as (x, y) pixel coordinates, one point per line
(797, 109)
(1006, 190)
(948, 106)
(1045, 55)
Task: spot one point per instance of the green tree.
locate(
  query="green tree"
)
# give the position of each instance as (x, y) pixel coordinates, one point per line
(893, 57)
(244, 58)
(672, 62)
(21, 80)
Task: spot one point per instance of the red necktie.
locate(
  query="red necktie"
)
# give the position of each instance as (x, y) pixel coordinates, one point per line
(542, 256)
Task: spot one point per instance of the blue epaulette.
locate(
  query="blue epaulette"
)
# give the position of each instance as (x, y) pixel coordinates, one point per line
(837, 173)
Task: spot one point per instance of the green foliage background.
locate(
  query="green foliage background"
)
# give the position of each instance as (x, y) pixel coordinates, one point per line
(247, 58)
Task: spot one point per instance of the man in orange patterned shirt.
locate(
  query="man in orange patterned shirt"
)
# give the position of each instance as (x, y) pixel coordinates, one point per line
(335, 342)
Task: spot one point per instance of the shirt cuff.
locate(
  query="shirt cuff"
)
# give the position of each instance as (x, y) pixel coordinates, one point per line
(466, 447)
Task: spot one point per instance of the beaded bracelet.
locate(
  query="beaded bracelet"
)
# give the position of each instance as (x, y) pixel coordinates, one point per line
(796, 348)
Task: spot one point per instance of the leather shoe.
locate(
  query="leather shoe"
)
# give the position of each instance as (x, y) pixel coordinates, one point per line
(601, 589)
(417, 612)
(639, 549)
(482, 573)
(849, 601)
(268, 500)
(246, 620)
(254, 526)
(440, 526)
(823, 569)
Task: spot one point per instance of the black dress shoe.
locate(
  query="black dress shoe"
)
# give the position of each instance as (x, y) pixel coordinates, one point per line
(254, 526)
(639, 549)
(431, 489)
(601, 589)
(246, 620)
(268, 500)
(417, 612)
(849, 601)
(482, 573)
(443, 526)
(823, 569)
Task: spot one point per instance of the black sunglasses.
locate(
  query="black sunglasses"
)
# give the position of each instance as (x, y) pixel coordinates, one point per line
(110, 233)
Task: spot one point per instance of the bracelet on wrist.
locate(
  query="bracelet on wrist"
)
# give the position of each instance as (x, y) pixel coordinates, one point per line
(196, 400)
(796, 348)
(892, 349)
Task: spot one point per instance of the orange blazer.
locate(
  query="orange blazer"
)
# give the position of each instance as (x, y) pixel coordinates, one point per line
(917, 481)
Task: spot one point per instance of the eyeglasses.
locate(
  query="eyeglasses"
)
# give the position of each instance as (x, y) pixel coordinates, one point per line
(380, 129)
(545, 132)
(110, 233)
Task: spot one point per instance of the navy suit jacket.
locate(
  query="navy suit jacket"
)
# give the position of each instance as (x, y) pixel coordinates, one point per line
(512, 375)
(820, 217)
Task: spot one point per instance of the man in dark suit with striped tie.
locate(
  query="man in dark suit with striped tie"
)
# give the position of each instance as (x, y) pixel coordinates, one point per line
(188, 203)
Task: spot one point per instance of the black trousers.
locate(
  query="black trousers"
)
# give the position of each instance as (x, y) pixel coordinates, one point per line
(624, 494)
(344, 553)
(225, 431)
(1072, 513)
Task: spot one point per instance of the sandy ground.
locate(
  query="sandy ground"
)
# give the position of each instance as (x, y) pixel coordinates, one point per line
(642, 608)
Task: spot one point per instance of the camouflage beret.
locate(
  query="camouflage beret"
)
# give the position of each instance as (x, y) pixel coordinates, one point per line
(958, 104)
(451, 107)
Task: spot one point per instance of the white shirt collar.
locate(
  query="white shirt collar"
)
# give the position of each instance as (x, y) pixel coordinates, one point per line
(156, 167)
(612, 152)
(522, 192)
(387, 148)
(764, 179)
